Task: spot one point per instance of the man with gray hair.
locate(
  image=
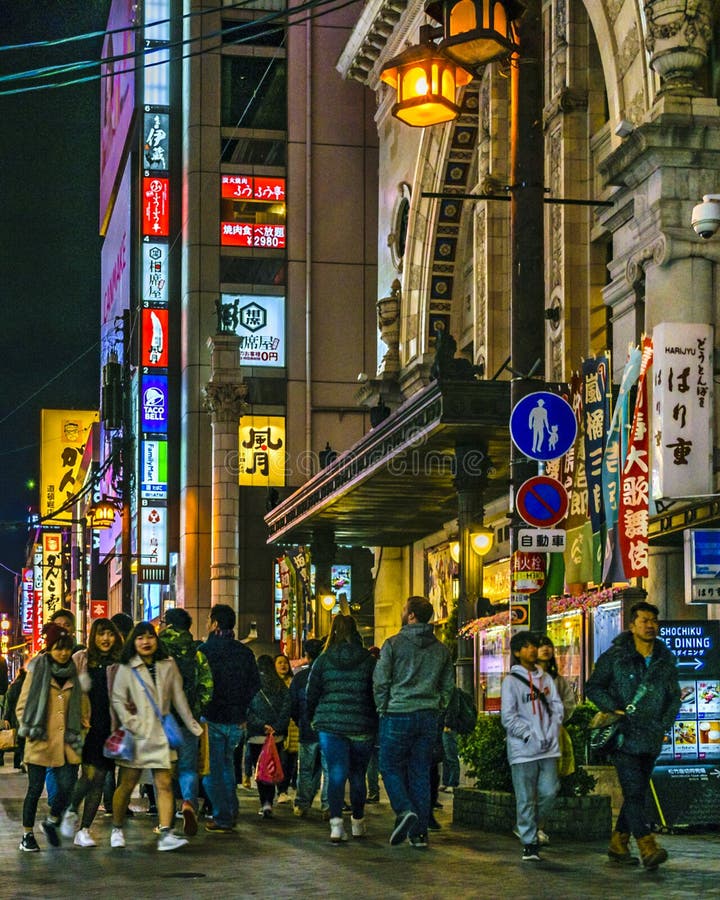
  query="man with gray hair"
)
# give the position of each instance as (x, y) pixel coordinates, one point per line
(412, 683)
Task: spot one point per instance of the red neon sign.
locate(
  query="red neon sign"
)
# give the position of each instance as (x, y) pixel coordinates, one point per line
(246, 187)
(156, 207)
(154, 338)
(238, 234)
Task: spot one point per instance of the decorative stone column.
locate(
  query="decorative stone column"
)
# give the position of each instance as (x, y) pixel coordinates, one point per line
(224, 399)
(388, 314)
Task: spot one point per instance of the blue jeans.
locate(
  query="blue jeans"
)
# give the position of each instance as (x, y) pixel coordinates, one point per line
(309, 773)
(187, 759)
(536, 785)
(634, 773)
(346, 760)
(451, 763)
(220, 783)
(406, 754)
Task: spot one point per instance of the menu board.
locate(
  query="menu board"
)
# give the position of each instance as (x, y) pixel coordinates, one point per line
(695, 734)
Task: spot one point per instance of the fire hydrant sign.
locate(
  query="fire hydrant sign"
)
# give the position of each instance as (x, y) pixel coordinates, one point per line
(528, 572)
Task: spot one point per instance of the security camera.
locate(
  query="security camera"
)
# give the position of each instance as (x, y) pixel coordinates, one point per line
(706, 216)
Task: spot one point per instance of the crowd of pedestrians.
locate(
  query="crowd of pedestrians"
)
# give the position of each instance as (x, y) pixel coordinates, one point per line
(191, 711)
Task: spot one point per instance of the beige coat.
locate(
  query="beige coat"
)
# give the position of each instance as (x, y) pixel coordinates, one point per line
(53, 752)
(133, 709)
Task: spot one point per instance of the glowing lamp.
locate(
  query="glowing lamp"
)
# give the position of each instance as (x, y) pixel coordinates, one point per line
(102, 514)
(426, 81)
(327, 601)
(481, 540)
(455, 550)
(475, 32)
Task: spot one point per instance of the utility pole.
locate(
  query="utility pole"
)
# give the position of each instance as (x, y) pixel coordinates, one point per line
(527, 291)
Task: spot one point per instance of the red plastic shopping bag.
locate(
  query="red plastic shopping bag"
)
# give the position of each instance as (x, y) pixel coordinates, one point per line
(269, 768)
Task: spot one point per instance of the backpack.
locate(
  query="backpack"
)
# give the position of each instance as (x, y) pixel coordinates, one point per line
(461, 713)
(187, 663)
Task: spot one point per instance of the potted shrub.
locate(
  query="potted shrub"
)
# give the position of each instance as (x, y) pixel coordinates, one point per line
(490, 803)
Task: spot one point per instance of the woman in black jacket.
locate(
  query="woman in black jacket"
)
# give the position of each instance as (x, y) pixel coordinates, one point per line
(342, 710)
(268, 713)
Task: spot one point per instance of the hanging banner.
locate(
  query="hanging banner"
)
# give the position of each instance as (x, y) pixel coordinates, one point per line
(596, 406)
(64, 433)
(633, 508)
(615, 452)
(682, 420)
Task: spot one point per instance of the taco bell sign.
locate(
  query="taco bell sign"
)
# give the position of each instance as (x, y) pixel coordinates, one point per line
(153, 404)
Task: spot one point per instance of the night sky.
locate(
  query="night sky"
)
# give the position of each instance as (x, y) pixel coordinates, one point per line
(49, 249)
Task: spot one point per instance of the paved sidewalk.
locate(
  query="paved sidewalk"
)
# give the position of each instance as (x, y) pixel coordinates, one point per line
(286, 857)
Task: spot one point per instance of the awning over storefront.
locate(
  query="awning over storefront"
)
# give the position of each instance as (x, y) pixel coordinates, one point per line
(396, 484)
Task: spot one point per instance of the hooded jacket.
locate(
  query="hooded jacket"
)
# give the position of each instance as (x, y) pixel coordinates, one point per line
(532, 730)
(414, 672)
(339, 692)
(614, 682)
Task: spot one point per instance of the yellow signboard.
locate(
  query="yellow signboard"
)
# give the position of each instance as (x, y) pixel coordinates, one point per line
(64, 433)
(261, 457)
(496, 581)
(52, 568)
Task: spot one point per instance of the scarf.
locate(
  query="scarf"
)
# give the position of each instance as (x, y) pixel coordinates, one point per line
(34, 720)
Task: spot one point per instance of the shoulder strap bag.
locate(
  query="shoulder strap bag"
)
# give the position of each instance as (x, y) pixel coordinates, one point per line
(169, 723)
(535, 693)
(605, 727)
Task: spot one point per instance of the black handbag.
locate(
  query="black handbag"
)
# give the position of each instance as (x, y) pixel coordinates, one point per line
(606, 727)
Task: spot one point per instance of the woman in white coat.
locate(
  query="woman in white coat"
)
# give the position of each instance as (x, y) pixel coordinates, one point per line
(146, 670)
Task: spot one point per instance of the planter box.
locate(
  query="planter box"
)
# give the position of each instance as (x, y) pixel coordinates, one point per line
(577, 818)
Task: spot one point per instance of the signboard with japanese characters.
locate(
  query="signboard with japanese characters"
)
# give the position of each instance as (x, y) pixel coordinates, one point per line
(64, 433)
(542, 540)
(252, 211)
(528, 572)
(27, 601)
(261, 456)
(702, 565)
(261, 328)
(682, 410)
(153, 540)
(633, 508)
(154, 271)
(156, 128)
(155, 206)
(52, 573)
(98, 609)
(154, 353)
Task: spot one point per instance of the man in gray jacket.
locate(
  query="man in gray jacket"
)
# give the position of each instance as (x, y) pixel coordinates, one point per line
(412, 683)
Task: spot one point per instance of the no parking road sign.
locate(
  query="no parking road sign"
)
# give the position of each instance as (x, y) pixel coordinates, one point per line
(543, 426)
(542, 501)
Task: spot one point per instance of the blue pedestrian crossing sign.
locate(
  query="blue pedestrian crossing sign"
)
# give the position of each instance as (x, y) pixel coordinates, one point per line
(543, 426)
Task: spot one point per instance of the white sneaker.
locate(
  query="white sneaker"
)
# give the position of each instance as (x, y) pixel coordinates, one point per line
(337, 831)
(542, 837)
(83, 838)
(69, 824)
(359, 828)
(170, 841)
(117, 839)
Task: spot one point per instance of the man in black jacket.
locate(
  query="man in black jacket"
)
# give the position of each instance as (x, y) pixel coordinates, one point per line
(637, 679)
(235, 683)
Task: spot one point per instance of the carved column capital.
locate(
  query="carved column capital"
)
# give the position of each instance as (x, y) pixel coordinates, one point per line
(225, 402)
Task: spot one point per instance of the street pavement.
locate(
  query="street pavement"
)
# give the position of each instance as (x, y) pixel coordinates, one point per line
(287, 857)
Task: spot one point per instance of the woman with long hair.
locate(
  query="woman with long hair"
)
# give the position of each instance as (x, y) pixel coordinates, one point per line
(268, 713)
(148, 680)
(547, 662)
(341, 708)
(52, 711)
(97, 667)
(289, 755)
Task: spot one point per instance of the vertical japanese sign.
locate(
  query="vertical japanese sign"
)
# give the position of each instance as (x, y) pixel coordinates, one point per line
(682, 422)
(261, 456)
(156, 207)
(38, 594)
(596, 405)
(578, 554)
(615, 452)
(154, 352)
(52, 573)
(27, 601)
(633, 509)
(64, 433)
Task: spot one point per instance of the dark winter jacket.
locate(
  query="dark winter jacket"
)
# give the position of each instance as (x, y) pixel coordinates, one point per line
(269, 708)
(614, 682)
(298, 706)
(235, 678)
(339, 691)
(414, 672)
